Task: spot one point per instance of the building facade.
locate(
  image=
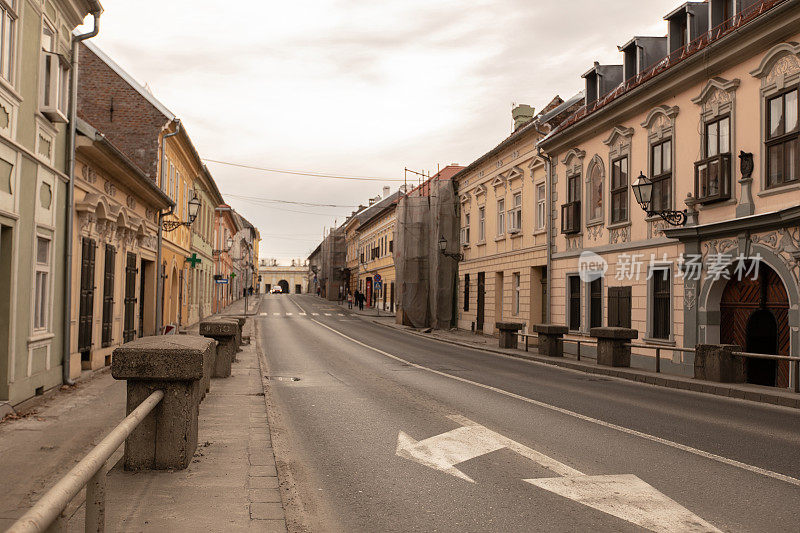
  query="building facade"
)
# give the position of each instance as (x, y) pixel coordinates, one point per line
(292, 279)
(114, 261)
(376, 273)
(504, 227)
(712, 123)
(225, 227)
(35, 58)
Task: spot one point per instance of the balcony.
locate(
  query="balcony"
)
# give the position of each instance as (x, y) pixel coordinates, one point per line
(712, 179)
(571, 218)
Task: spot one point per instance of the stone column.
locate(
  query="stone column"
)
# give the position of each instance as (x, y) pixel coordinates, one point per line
(167, 437)
(551, 339)
(508, 333)
(716, 362)
(612, 349)
(223, 331)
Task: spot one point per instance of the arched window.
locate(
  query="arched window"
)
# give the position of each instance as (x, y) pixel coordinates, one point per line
(596, 192)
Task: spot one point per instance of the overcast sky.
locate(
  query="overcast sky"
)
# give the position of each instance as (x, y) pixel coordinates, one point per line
(356, 87)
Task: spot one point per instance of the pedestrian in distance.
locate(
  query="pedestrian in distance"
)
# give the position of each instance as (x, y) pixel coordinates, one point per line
(361, 299)
(349, 300)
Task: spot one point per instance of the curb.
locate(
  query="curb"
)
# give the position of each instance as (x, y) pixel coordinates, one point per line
(788, 399)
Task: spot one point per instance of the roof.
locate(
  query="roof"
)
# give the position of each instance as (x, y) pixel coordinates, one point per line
(129, 79)
(378, 208)
(444, 174)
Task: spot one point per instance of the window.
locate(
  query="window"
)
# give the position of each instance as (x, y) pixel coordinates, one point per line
(108, 295)
(619, 190)
(596, 303)
(41, 293)
(619, 307)
(574, 299)
(465, 231)
(571, 211)
(54, 80)
(481, 224)
(541, 209)
(783, 155)
(712, 174)
(466, 292)
(596, 192)
(501, 217)
(7, 39)
(660, 325)
(515, 214)
(661, 175)
(516, 286)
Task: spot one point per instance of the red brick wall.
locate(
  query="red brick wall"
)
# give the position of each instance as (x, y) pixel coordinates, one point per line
(118, 111)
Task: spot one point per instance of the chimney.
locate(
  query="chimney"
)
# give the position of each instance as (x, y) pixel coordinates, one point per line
(521, 114)
(371, 201)
(386, 191)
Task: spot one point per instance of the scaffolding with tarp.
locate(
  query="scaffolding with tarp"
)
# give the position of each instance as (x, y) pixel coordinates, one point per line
(331, 275)
(427, 278)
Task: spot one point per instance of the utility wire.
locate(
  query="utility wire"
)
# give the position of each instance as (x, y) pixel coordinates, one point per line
(301, 172)
(275, 200)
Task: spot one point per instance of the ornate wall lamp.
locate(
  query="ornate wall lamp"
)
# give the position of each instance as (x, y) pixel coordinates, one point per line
(643, 191)
(194, 208)
(443, 249)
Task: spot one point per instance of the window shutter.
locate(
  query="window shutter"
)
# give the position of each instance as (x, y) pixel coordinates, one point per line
(613, 306)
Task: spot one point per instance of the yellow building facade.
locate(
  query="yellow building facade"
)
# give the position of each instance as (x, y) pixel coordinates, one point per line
(376, 273)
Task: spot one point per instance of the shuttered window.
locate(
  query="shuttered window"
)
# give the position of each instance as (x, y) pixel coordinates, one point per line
(466, 292)
(129, 328)
(596, 303)
(619, 307)
(108, 294)
(574, 286)
(86, 311)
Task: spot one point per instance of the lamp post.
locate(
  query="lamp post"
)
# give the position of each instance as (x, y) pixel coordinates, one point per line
(443, 248)
(643, 191)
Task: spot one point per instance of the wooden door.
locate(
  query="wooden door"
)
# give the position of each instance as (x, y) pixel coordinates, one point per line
(741, 300)
(86, 306)
(481, 303)
(108, 294)
(129, 321)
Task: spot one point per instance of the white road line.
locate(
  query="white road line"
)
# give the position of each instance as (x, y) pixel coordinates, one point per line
(262, 314)
(301, 314)
(288, 314)
(340, 314)
(327, 314)
(653, 438)
(315, 314)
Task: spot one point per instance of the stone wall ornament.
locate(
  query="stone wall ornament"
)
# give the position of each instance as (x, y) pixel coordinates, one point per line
(593, 233)
(689, 296)
(619, 235)
(575, 243)
(785, 243)
(110, 188)
(130, 201)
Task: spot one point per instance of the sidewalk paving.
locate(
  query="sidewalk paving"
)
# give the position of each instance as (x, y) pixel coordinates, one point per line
(746, 391)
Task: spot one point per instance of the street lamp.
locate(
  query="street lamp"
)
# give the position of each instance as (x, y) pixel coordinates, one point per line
(193, 209)
(643, 191)
(443, 249)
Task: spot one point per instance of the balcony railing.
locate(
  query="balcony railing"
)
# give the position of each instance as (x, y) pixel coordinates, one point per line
(571, 217)
(712, 179)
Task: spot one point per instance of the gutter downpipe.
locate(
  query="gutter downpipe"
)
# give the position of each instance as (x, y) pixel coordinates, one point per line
(161, 215)
(71, 140)
(548, 194)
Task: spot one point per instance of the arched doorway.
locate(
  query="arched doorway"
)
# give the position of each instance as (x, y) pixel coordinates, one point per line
(284, 286)
(754, 314)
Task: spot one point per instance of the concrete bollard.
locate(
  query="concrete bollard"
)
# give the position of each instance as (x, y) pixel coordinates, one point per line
(551, 339)
(167, 438)
(611, 345)
(224, 332)
(508, 333)
(716, 362)
(241, 320)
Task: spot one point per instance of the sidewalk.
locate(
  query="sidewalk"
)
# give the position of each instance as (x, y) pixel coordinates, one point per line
(367, 312)
(232, 483)
(744, 391)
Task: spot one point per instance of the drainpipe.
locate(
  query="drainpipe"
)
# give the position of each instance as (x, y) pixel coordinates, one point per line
(548, 169)
(161, 215)
(73, 126)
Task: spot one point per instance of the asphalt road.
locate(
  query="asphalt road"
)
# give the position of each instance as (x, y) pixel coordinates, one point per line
(352, 404)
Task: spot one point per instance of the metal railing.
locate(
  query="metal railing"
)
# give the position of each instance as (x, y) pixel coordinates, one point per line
(794, 366)
(90, 472)
(658, 348)
(579, 341)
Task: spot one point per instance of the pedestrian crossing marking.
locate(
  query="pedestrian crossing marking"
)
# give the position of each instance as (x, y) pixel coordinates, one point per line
(288, 314)
(301, 314)
(276, 314)
(262, 314)
(327, 314)
(340, 314)
(315, 314)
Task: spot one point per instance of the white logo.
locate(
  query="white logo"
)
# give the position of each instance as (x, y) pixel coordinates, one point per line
(591, 267)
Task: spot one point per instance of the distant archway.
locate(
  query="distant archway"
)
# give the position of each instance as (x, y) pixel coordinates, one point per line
(284, 286)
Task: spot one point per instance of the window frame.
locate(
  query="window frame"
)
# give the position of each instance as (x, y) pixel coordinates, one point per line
(782, 139)
(593, 298)
(516, 286)
(654, 331)
(9, 18)
(501, 217)
(657, 178)
(42, 280)
(620, 191)
(514, 220)
(573, 298)
(541, 206)
(481, 224)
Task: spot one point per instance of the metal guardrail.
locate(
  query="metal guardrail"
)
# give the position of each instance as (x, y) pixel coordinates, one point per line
(90, 472)
(580, 341)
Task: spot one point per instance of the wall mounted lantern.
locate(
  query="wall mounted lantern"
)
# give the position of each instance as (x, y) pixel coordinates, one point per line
(443, 249)
(643, 191)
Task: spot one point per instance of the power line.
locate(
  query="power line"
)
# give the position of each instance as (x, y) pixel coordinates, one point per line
(301, 172)
(291, 210)
(275, 200)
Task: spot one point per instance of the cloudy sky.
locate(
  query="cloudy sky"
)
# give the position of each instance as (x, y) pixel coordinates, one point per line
(355, 87)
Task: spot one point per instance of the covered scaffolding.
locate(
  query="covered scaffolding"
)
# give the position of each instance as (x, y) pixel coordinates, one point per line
(427, 278)
(332, 276)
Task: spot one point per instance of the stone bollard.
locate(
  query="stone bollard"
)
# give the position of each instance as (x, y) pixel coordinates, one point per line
(716, 362)
(167, 437)
(241, 320)
(551, 339)
(223, 331)
(611, 345)
(508, 333)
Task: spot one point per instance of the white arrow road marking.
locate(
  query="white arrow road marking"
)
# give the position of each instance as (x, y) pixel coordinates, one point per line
(629, 498)
(623, 496)
(472, 440)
